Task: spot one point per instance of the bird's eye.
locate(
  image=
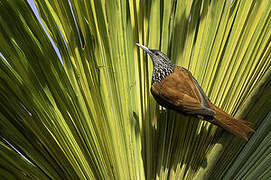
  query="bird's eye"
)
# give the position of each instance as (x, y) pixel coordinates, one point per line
(156, 53)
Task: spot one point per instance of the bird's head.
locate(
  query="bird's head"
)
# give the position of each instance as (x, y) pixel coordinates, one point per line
(158, 58)
(162, 66)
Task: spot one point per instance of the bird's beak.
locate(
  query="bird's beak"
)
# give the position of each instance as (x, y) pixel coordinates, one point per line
(147, 50)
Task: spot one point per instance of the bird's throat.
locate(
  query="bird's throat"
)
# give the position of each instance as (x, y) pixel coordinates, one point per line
(161, 71)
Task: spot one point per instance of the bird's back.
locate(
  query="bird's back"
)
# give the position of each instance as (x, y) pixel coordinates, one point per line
(180, 92)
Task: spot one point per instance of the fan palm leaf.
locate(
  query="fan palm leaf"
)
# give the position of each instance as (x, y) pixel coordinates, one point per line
(74, 88)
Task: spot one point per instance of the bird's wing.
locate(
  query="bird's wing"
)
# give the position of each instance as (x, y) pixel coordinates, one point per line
(198, 89)
(181, 92)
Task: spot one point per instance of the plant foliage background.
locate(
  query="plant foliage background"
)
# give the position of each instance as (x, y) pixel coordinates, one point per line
(89, 114)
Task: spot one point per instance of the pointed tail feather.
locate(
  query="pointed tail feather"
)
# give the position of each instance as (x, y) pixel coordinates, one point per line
(226, 121)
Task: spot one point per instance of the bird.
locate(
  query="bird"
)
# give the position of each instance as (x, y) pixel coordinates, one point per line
(175, 88)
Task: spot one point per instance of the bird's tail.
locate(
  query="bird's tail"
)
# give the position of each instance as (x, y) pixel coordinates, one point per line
(226, 121)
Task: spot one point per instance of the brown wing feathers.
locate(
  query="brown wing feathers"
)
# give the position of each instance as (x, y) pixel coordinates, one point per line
(181, 92)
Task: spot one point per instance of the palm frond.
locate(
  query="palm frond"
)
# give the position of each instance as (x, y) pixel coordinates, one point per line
(90, 115)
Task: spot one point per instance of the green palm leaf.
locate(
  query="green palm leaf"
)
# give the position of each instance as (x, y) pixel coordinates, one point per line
(89, 114)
